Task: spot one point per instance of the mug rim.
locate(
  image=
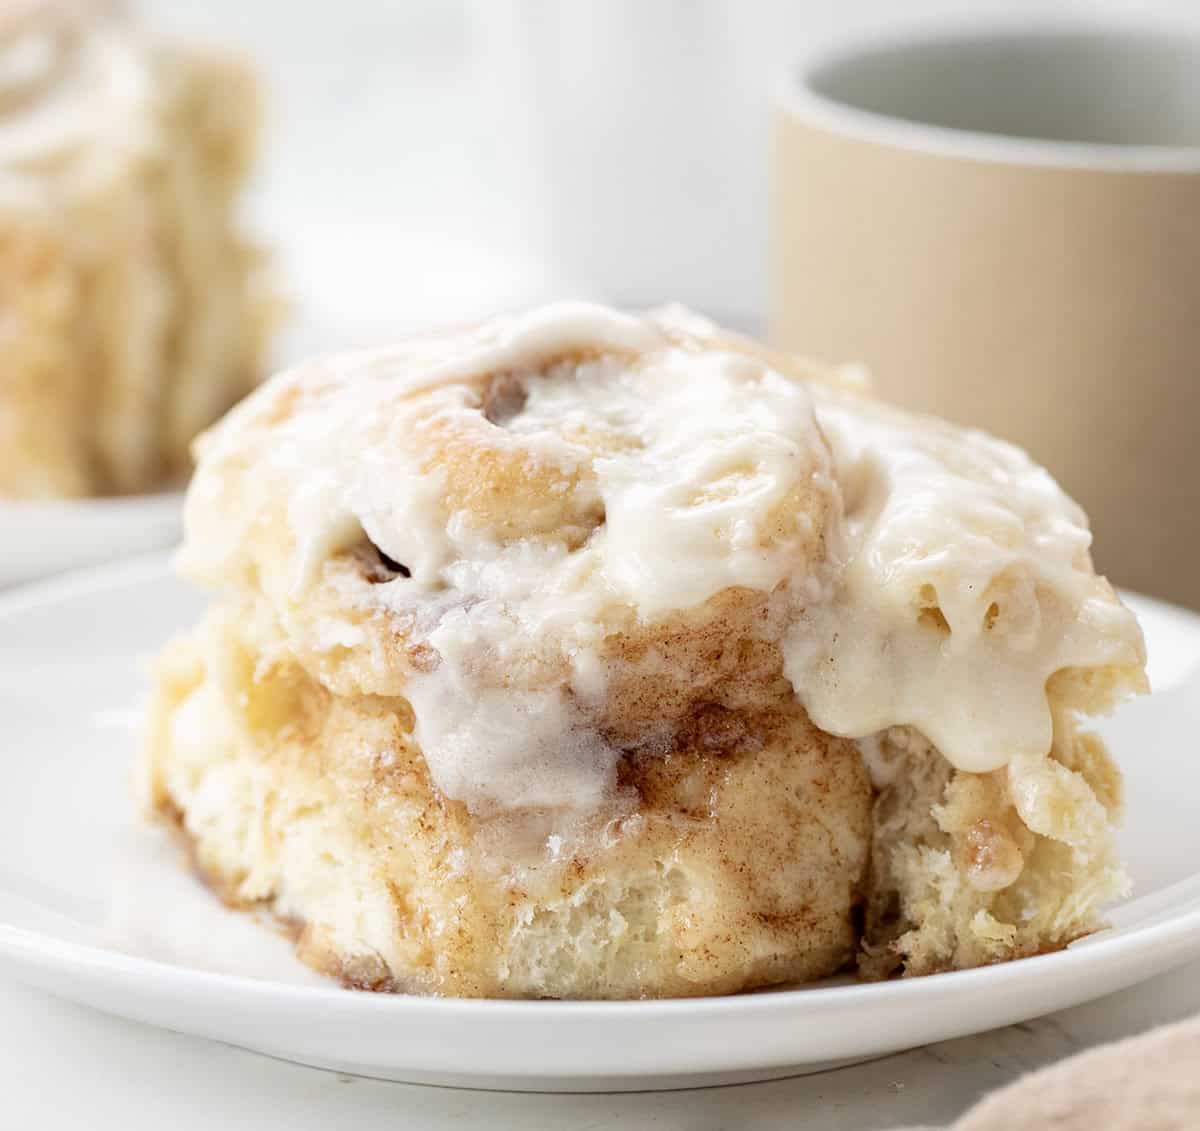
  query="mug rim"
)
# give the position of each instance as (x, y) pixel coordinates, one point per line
(796, 95)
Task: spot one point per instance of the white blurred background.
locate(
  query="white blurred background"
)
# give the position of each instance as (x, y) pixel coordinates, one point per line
(432, 160)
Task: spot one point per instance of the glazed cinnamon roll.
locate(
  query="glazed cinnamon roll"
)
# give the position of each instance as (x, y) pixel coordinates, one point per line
(135, 312)
(586, 654)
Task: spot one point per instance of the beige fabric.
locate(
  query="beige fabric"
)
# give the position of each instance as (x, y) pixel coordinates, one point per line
(1145, 1083)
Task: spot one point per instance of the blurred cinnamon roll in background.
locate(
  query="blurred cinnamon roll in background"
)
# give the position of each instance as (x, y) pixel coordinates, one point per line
(134, 309)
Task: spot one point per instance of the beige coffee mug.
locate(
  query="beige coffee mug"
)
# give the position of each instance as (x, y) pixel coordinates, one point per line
(1005, 227)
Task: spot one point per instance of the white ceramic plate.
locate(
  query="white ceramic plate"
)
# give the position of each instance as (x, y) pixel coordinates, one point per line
(41, 538)
(94, 906)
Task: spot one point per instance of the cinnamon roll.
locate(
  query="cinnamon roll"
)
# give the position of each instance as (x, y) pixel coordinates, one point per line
(135, 311)
(588, 654)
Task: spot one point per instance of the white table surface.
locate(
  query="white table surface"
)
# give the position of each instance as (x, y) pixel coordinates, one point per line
(64, 1067)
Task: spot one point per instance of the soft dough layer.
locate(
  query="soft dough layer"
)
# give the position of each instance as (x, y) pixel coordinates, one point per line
(733, 860)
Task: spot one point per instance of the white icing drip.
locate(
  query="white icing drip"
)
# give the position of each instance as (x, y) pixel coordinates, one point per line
(963, 584)
(503, 719)
(493, 746)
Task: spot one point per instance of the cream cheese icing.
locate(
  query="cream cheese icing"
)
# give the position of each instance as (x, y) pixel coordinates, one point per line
(721, 442)
(963, 582)
(921, 574)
